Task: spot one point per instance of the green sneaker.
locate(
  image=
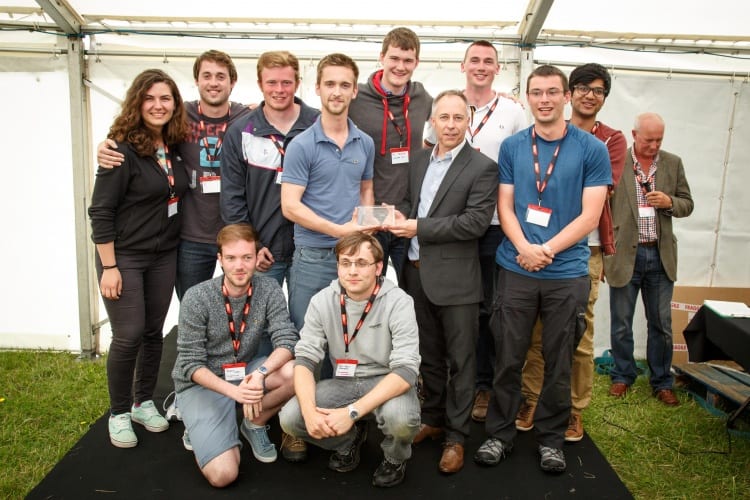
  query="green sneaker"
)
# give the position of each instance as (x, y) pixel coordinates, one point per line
(121, 431)
(263, 449)
(149, 417)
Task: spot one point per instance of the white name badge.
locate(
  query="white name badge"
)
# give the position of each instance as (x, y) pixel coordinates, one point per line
(399, 155)
(211, 184)
(278, 177)
(172, 206)
(646, 211)
(346, 367)
(234, 371)
(538, 215)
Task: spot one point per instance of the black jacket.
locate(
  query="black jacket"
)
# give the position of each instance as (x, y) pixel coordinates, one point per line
(129, 203)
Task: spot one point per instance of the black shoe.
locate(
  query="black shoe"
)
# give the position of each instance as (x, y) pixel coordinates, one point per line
(388, 474)
(492, 452)
(348, 460)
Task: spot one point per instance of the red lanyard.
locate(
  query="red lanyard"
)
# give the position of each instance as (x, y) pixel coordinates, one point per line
(166, 166)
(280, 147)
(472, 134)
(388, 115)
(204, 135)
(646, 184)
(344, 321)
(541, 184)
(236, 336)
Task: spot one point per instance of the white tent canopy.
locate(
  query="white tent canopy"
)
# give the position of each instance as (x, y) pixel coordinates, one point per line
(64, 65)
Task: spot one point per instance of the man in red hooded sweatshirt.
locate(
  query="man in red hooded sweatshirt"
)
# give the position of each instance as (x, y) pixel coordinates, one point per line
(393, 110)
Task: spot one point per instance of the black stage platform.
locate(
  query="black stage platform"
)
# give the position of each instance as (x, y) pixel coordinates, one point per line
(159, 467)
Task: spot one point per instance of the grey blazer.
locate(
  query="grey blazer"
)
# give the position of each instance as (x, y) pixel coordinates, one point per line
(670, 179)
(459, 216)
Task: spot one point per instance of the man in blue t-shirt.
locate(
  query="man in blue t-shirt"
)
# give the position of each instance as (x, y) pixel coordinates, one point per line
(553, 183)
(328, 171)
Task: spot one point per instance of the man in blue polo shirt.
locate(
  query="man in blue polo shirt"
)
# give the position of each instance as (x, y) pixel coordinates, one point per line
(553, 183)
(328, 171)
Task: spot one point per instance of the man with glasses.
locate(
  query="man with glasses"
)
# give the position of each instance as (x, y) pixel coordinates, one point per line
(590, 84)
(366, 326)
(449, 202)
(546, 212)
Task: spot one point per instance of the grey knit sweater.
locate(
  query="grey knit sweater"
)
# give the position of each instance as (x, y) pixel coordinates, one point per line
(203, 338)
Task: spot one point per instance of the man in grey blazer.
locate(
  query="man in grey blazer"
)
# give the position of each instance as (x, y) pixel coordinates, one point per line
(449, 203)
(652, 191)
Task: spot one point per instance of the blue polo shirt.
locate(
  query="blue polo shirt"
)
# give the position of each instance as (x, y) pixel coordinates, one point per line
(332, 177)
(583, 162)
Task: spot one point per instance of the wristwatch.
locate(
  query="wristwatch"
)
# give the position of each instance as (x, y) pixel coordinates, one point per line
(353, 412)
(263, 371)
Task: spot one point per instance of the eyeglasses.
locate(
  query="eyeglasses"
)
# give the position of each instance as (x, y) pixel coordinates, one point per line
(550, 92)
(585, 89)
(359, 264)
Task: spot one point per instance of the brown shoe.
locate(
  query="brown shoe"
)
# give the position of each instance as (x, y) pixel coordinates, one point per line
(481, 400)
(452, 460)
(293, 449)
(618, 389)
(667, 397)
(525, 417)
(575, 428)
(427, 431)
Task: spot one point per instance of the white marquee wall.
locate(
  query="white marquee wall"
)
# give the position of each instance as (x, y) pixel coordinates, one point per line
(707, 118)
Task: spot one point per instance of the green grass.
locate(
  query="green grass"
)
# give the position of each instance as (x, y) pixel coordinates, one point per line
(49, 400)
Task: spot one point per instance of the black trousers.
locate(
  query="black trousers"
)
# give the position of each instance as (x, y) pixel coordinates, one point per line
(561, 306)
(447, 344)
(137, 320)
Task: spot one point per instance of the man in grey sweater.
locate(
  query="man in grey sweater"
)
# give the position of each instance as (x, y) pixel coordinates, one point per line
(368, 328)
(221, 324)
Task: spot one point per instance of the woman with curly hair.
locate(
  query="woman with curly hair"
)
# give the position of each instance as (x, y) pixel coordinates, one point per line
(135, 222)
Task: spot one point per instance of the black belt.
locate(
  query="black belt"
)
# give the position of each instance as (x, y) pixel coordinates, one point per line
(648, 243)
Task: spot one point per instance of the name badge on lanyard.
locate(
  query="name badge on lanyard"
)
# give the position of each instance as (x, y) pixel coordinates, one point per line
(211, 184)
(646, 211)
(234, 371)
(172, 206)
(399, 155)
(538, 215)
(346, 367)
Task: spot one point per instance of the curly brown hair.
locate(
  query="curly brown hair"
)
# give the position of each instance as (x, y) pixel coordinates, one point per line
(129, 127)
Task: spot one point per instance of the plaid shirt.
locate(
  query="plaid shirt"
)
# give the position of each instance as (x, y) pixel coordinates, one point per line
(646, 225)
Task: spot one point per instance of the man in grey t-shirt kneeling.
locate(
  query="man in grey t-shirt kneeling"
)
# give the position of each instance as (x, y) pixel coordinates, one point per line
(221, 324)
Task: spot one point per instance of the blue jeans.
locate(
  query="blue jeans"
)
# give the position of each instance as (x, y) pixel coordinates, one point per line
(278, 271)
(196, 262)
(656, 290)
(393, 247)
(397, 418)
(312, 270)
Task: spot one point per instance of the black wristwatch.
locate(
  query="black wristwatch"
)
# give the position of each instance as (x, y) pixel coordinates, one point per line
(263, 371)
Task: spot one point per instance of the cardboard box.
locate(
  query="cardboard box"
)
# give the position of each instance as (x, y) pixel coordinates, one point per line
(686, 300)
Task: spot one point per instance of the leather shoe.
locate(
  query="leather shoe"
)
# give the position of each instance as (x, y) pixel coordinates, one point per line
(618, 389)
(427, 431)
(481, 402)
(452, 460)
(667, 397)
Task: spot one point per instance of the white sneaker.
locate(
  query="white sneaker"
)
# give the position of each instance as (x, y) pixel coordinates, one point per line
(149, 417)
(186, 441)
(171, 412)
